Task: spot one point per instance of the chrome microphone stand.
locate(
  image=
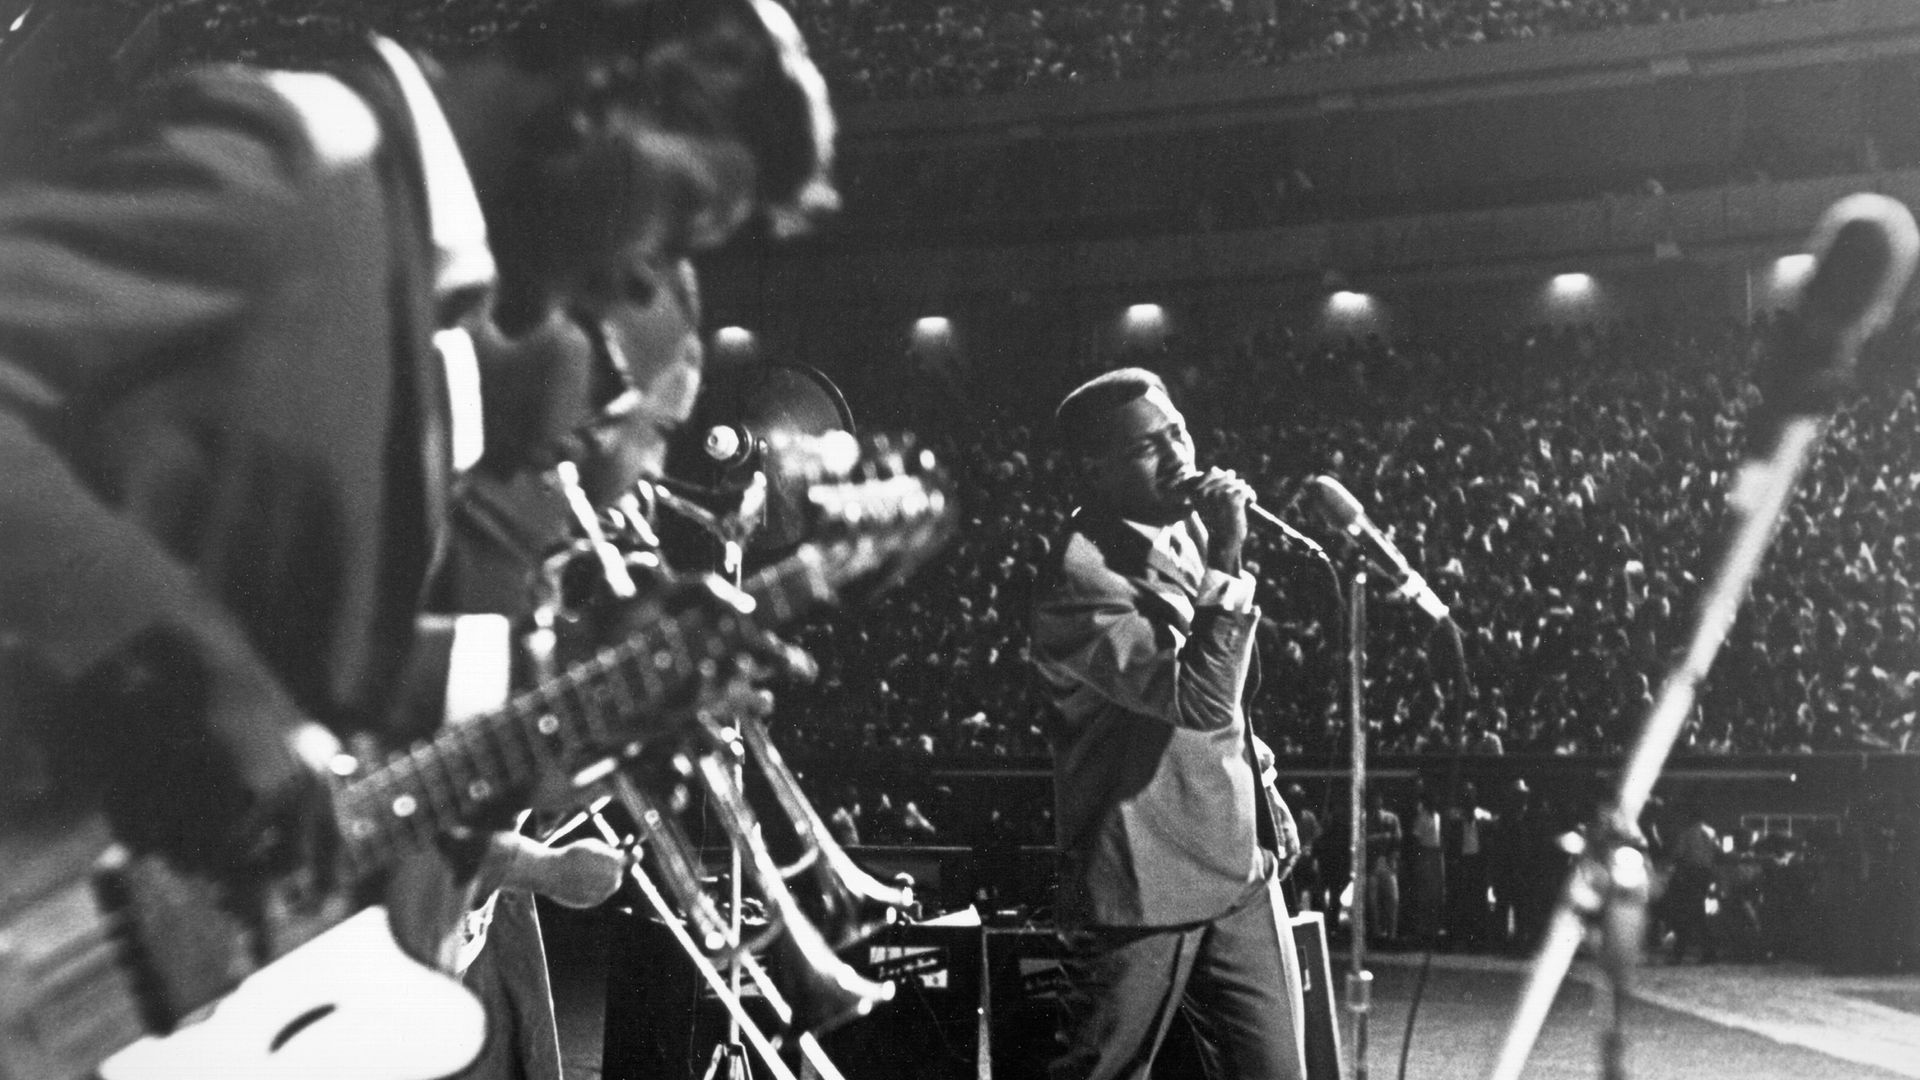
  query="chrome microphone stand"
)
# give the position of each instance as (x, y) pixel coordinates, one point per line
(1359, 996)
(1608, 887)
(729, 1061)
(1359, 999)
(1867, 246)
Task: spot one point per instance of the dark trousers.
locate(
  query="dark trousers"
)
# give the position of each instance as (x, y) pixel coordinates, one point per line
(1467, 898)
(1687, 911)
(1232, 976)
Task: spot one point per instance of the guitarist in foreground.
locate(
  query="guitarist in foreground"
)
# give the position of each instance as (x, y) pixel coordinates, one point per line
(228, 447)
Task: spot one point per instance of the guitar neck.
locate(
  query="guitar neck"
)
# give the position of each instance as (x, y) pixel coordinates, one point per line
(472, 773)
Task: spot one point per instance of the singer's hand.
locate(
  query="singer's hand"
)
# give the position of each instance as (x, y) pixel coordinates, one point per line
(1221, 498)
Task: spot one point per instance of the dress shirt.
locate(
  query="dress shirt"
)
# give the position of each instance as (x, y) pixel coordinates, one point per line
(1234, 592)
(463, 267)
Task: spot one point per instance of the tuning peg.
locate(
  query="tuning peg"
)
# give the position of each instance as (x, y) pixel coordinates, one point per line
(727, 593)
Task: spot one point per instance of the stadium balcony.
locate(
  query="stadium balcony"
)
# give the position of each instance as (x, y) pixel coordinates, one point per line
(1787, 93)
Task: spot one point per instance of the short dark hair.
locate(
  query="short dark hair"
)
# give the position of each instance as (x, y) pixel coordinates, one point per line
(1080, 421)
(717, 68)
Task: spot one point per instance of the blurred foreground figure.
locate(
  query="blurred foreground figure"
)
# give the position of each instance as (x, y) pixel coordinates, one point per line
(234, 434)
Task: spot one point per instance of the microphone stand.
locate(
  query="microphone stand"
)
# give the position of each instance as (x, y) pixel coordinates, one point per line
(1359, 980)
(730, 1060)
(1609, 883)
(1867, 245)
(1359, 1000)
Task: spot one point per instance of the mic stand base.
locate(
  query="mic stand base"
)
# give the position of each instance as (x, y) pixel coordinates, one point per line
(1360, 1004)
(729, 1062)
(1611, 893)
(1606, 896)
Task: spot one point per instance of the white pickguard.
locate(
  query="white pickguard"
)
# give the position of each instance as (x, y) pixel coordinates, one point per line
(348, 1004)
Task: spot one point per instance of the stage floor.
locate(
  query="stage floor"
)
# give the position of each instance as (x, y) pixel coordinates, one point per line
(1761, 1021)
(1775, 1021)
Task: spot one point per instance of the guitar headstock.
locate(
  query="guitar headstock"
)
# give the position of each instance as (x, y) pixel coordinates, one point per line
(869, 510)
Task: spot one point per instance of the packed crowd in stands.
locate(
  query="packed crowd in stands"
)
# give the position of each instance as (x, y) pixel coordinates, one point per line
(920, 48)
(1560, 488)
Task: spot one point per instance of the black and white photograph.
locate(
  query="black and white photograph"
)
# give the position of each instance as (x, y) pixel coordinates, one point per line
(959, 539)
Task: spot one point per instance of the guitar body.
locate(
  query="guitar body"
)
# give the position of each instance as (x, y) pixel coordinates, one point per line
(68, 995)
(97, 951)
(124, 966)
(348, 1003)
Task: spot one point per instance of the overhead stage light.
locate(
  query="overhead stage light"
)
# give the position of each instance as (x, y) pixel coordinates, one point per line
(1348, 302)
(733, 337)
(1572, 286)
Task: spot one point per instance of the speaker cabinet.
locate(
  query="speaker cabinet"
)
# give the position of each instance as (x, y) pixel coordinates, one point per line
(931, 1028)
(1323, 1011)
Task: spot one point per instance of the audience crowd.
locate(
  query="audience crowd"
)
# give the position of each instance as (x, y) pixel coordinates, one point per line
(919, 48)
(1560, 488)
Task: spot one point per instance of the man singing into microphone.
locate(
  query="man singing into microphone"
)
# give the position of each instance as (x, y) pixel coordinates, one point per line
(1143, 635)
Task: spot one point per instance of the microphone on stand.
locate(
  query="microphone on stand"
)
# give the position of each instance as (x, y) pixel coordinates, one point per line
(733, 446)
(1343, 511)
(1864, 254)
(1865, 249)
(1191, 482)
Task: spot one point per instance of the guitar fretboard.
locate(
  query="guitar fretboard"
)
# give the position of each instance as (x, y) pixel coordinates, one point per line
(467, 773)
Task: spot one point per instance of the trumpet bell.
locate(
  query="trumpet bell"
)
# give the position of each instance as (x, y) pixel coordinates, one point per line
(821, 990)
(848, 904)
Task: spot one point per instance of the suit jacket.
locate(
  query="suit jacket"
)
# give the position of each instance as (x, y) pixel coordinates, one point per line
(222, 423)
(1154, 788)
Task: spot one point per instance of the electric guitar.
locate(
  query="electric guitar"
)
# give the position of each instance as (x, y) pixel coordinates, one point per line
(114, 964)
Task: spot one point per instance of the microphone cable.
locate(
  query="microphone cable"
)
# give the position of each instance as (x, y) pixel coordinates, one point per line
(1463, 679)
(1462, 695)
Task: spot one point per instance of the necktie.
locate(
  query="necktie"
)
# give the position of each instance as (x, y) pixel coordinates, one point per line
(1185, 554)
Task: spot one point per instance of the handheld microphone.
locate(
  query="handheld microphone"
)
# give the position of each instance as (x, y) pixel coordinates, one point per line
(1190, 482)
(1343, 511)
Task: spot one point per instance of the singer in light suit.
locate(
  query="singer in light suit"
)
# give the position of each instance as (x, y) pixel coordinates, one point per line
(1169, 840)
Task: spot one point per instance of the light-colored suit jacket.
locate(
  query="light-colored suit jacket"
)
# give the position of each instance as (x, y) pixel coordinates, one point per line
(1157, 811)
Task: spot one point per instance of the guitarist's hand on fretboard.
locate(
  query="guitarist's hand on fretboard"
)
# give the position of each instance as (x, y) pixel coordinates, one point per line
(291, 837)
(582, 874)
(430, 893)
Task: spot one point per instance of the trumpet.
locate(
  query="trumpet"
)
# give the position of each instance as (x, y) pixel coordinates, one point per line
(876, 522)
(677, 866)
(821, 989)
(845, 902)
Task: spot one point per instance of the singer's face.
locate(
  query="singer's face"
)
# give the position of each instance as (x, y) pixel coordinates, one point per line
(1148, 451)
